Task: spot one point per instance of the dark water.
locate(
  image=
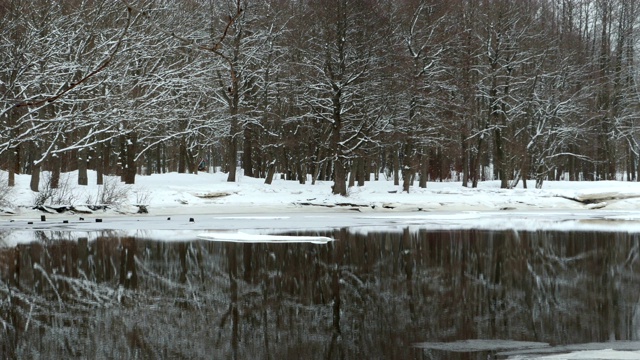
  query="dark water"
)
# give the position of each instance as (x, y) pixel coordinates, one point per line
(364, 296)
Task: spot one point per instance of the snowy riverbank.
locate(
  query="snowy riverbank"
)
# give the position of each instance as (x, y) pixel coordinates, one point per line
(173, 193)
(216, 204)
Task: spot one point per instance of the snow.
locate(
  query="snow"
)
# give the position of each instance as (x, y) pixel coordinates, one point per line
(206, 201)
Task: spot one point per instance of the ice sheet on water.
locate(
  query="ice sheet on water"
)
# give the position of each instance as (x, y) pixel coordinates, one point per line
(525, 350)
(588, 355)
(259, 238)
(474, 345)
(605, 350)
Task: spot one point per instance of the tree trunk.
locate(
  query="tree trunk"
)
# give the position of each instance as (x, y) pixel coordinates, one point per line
(631, 164)
(396, 167)
(407, 167)
(192, 164)
(234, 103)
(100, 164)
(465, 160)
(232, 151)
(11, 177)
(302, 174)
(182, 157)
(500, 159)
(363, 174)
(12, 158)
(539, 177)
(14, 165)
(318, 164)
(128, 158)
(107, 161)
(159, 167)
(339, 171)
(424, 170)
(475, 164)
(525, 170)
(339, 178)
(247, 155)
(352, 173)
(83, 178)
(271, 169)
(148, 163)
(55, 171)
(259, 170)
(406, 178)
(131, 159)
(34, 184)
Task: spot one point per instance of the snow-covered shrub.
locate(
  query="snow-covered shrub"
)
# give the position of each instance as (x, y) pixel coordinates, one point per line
(112, 192)
(142, 196)
(47, 195)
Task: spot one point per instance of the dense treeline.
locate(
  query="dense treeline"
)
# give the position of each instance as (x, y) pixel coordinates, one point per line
(321, 90)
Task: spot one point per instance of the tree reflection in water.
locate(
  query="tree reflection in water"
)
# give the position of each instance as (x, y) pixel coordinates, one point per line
(367, 295)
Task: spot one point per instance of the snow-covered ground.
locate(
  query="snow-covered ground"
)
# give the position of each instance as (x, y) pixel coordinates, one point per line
(249, 204)
(206, 206)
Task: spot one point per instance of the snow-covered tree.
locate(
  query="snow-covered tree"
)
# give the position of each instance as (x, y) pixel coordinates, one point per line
(340, 60)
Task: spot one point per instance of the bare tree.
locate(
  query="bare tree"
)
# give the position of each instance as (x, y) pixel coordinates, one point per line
(340, 58)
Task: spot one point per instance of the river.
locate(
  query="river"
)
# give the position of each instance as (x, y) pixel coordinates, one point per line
(407, 293)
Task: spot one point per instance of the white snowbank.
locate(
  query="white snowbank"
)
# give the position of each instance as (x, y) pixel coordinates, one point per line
(173, 199)
(174, 193)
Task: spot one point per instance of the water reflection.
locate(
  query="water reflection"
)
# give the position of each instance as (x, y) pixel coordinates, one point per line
(375, 295)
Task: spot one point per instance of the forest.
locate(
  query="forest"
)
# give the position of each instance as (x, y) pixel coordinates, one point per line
(331, 90)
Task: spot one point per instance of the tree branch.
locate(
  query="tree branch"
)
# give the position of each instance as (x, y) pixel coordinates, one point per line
(215, 48)
(72, 86)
